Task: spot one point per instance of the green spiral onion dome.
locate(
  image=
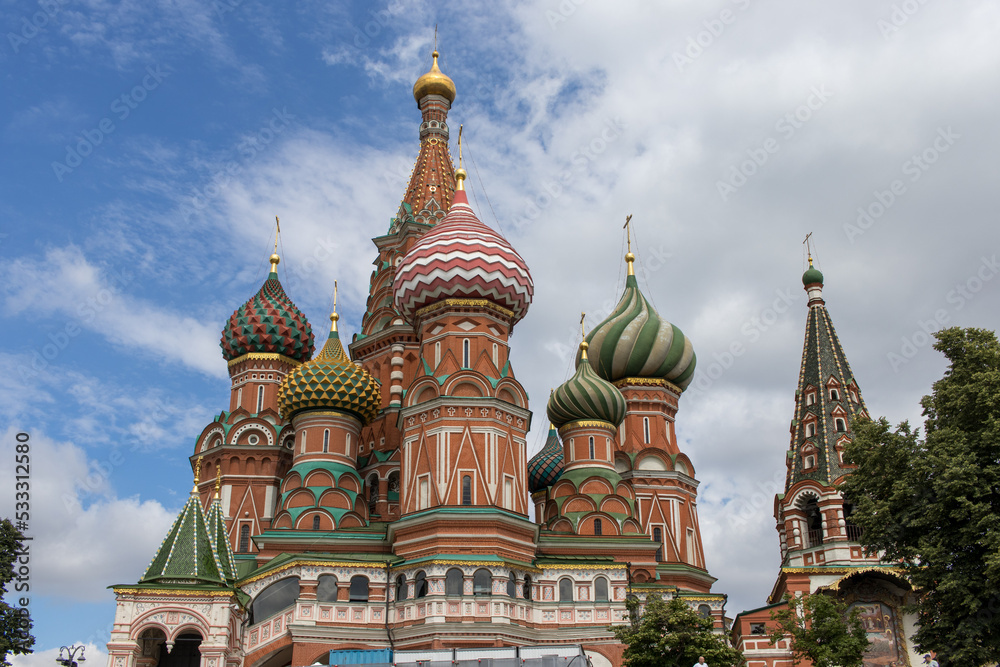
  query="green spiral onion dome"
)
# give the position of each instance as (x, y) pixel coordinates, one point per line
(545, 467)
(331, 381)
(812, 275)
(268, 323)
(586, 396)
(634, 341)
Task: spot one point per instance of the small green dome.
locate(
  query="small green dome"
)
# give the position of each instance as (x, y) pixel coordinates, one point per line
(812, 275)
(331, 381)
(586, 395)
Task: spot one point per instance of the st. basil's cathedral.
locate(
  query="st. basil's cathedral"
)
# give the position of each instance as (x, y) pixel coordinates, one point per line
(380, 497)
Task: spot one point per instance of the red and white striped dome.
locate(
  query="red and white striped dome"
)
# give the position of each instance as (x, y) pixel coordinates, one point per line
(462, 258)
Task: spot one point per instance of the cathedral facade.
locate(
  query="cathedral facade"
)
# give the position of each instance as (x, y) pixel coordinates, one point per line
(380, 495)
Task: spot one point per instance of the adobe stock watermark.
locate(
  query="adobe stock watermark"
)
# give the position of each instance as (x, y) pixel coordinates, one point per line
(87, 312)
(696, 44)
(748, 507)
(580, 160)
(121, 107)
(248, 149)
(786, 126)
(957, 297)
(752, 330)
(34, 24)
(915, 167)
(564, 10)
(899, 16)
(380, 20)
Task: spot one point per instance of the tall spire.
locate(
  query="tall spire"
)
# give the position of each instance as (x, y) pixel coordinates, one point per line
(828, 396)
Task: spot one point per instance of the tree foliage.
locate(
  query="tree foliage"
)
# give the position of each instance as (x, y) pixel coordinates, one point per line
(820, 629)
(932, 503)
(15, 624)
(671, 634)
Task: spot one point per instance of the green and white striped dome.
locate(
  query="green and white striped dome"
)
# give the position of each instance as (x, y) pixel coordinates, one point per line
(634, 341)
(586, 396)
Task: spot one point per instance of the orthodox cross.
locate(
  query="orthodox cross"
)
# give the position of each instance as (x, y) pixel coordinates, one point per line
(808, 246)
(628, 230)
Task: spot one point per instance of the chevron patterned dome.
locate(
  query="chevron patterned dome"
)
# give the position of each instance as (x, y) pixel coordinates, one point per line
(462, 258)
(634, 341)
(545, 467)
(268, 323)
(331, 381)
(586, 396)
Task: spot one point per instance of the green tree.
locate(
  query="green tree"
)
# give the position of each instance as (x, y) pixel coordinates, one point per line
(821, 630)
(15, 624)
(932, 504)
(671, 634)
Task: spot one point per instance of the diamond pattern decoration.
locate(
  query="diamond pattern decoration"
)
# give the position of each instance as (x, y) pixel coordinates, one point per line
(331, 381)
(268, 322)
(545, 467)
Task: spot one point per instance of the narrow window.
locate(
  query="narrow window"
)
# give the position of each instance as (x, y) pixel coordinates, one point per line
(239, 397)
(453, 580)
(810, 462)
(810, 398)
(527, 587)
(372, 495)
(566, 590)
(400, 587)
(841, 425)
(834, 395)
(347, 444)
(244, 539)
(590, 446)
(658, 538)
(260, 398)
(465, 353)
(359, 588)
(508, 494)
(496, 355)
(326, 440)
(511, 586)
(315, 523)
(326, 588)
(482, 582)
(466, 490)
(600, 589)
(810, 430)
(437, 354)
(645, 430)
(424, 499)
(420, 585)
(302, 449)
(598, 527)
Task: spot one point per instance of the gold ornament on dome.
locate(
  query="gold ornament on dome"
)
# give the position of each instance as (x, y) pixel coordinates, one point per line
(434, 82)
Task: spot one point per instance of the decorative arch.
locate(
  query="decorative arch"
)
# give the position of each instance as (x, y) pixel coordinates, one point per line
(682, 464)
(516, 391)
(423, 390)
(257, 425)
(652, 459)
(475, 385)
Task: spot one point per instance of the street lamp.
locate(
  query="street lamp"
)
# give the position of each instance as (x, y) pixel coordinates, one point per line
(67, 655)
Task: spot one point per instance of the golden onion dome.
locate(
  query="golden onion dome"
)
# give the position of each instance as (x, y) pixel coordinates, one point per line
(435, 82)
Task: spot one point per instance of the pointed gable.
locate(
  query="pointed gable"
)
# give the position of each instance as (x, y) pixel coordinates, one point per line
(188, 553)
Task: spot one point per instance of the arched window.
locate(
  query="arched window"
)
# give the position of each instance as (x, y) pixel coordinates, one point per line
(244, 539)
(810, 429)
(658, 538)
(437, 354)
(372, 495)
(590, 447)
(482, 582)
(465, 353)
(239, 397)
(527, 587)
(645, 430)
(359, 588)
(453, 581)
(326, 440)
(841, 425)
(400, 587)
(834, 395)
(511, 586)
(326, 588)
(814, 523)
(598, 527)
(278, 596)
(566, 590)
(810, 398)
(496, 355)
(316, 522)
(393, 486)
(810, 463)
(704, 611)
(420, 585)
(600, 589)
(260, 398)
(466, 489)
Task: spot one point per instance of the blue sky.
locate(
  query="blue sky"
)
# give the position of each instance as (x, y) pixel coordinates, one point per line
(147, 147)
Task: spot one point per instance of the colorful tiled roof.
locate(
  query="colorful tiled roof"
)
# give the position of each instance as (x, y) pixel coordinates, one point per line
(331, 381)
(586, 395)
(188, 553)
(634, 341)
(220, 539)
(462, 258)
(546, 466)
(268, 322)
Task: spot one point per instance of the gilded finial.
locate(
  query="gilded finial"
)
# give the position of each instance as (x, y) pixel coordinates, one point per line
(808, 245)
(583, 343)
(629, 257)
(334, 316)
(460, 173)
(275, 259)
(197, 474)
(218, 480)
